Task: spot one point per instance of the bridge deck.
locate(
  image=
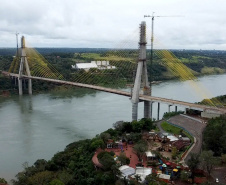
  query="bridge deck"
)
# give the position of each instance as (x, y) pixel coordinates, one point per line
(209, 109)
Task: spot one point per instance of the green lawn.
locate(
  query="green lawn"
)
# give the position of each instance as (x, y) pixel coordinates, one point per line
(174, 130)
(170, 128)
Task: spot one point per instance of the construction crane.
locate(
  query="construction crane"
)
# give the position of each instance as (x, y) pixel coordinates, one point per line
(17, 52)
(152, 37)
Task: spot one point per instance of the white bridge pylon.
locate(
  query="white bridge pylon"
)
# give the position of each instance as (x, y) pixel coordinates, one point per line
(141, 80)
(23, 61)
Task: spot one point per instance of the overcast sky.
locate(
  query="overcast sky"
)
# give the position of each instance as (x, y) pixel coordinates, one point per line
(113, 23)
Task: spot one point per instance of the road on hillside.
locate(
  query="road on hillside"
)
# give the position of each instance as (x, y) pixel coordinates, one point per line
(194, 126)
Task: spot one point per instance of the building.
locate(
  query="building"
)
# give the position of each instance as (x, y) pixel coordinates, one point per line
(150, 155)
(94, 64)
(85, 66)
(164, 177)
(142, 172)
(126, 171)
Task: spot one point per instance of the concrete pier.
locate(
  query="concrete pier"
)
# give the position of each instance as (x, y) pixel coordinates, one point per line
(141, 78)
(158, 111)
(23, 62)
(169, 108)
(147, 109)
(134, 111)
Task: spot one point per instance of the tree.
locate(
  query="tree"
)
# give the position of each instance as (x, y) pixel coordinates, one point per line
(118, 125)
(174, 152)
(96, 143)
(115, 171)
(56, 182)
(123, 159)
(193, 163)
(137, 126)
(153, 179)
(214, 135)
(135, 137)
(137, 177)
(208, 161)
(140, 148)
(223, 158)
(65, 177)
(2, 180)
(107, 161)
(40, 164)
(147, 124)
(184, 175)
(105, 136)
(121, 182)
(41, 178)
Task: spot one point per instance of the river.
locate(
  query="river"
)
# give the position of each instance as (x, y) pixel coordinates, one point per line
(35, 127)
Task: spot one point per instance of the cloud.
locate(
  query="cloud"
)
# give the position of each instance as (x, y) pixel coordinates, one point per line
(101, 23)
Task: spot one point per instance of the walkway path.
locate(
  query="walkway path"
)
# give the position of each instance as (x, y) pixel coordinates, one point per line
(158, 123)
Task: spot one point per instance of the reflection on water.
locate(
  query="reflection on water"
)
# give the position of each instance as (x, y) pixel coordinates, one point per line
(37, 126)
(70, 92)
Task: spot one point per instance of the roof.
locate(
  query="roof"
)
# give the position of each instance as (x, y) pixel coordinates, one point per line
(142, 172)
(126, 170)
(86, 65)
(180, 144)
(150, 154)
(172, 138)
(185, 139)
(164, 176)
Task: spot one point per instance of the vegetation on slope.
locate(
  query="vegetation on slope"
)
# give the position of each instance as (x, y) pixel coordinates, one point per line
(74, 164)
(214, 136)
(218, 101)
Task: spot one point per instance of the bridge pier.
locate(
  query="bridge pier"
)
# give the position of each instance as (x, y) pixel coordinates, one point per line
(20, 86)
(158, 111)
(23, 62)
(134, 111)
(175, 108)
(169, 108)
(141, 78)
(147, 109)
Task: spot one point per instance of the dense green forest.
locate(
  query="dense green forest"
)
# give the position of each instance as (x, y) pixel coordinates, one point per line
(214, 136)
(201, 62)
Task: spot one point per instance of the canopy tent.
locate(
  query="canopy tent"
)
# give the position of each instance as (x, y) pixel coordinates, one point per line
(164, 165)
(126, 171)
(175, 170)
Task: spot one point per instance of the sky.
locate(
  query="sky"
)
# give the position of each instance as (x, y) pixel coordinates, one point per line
(201, 24)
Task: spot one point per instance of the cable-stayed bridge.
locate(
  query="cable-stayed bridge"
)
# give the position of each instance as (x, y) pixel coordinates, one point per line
(141, 80)
(171, 102)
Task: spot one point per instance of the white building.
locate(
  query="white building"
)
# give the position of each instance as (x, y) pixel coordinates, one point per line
(142, 172)
(150, 155)
(93, 64)
(126, 171)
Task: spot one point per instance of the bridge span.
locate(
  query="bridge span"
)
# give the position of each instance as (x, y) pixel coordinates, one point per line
(204, 108)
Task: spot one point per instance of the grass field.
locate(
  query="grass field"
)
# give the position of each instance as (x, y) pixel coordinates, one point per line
(107, 57)
(174, 130)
